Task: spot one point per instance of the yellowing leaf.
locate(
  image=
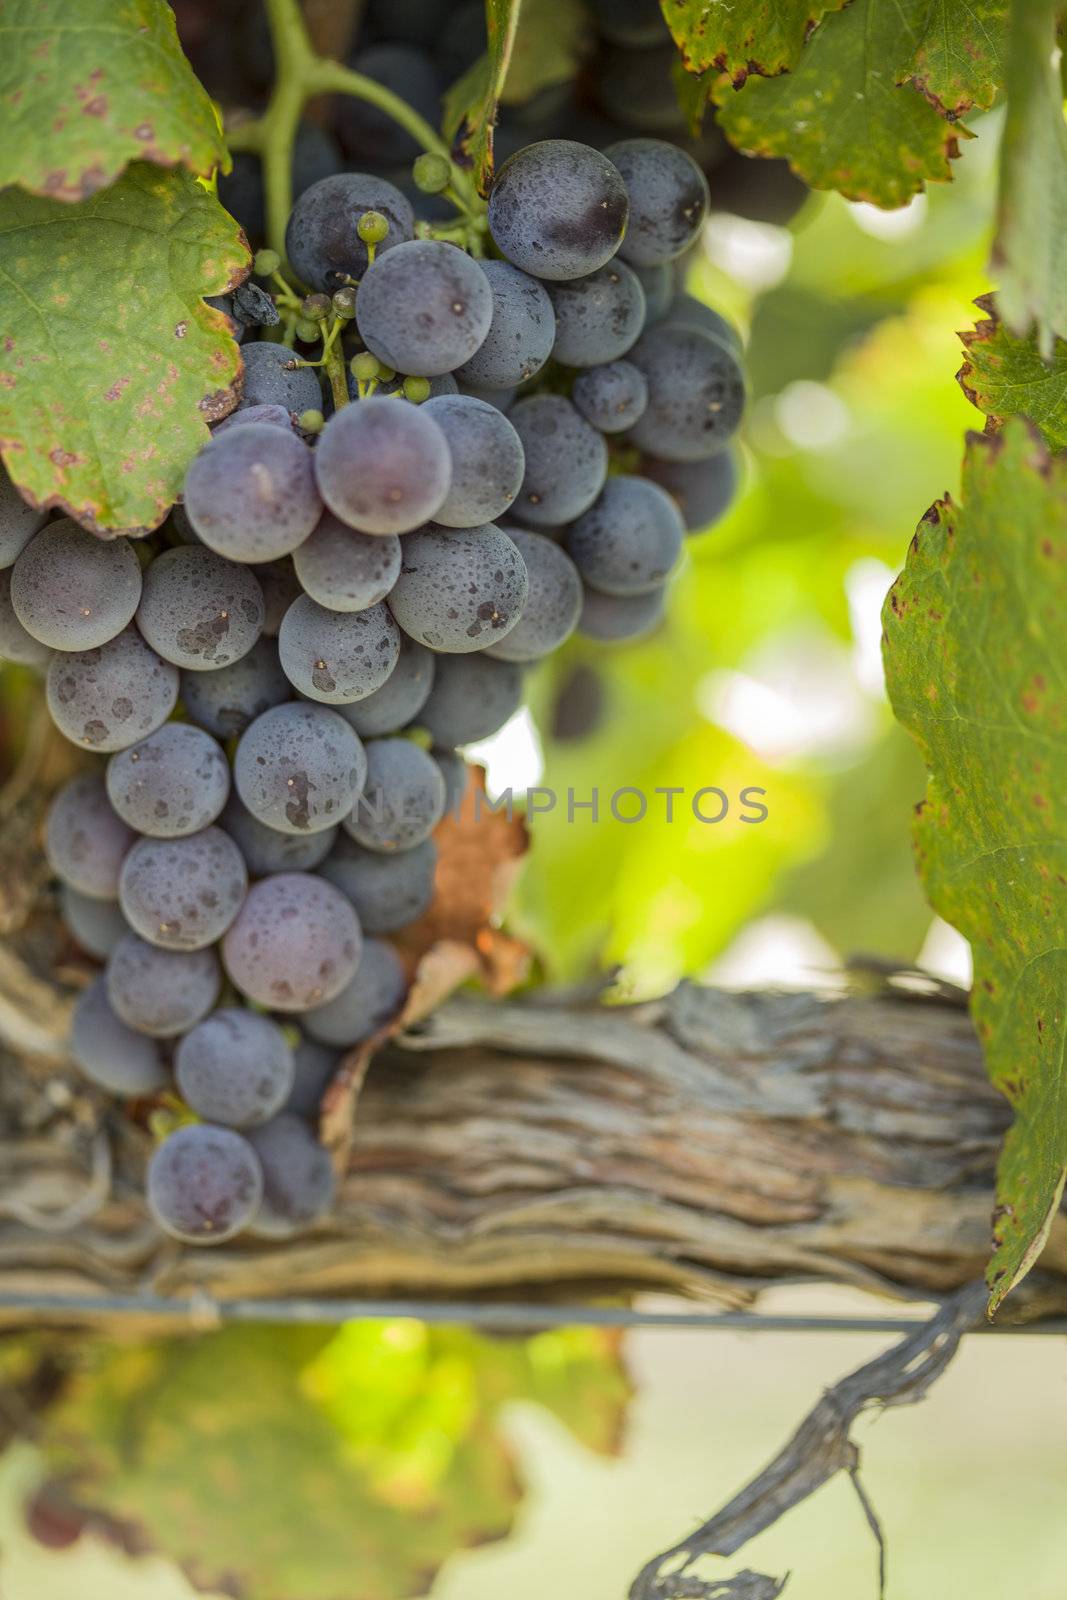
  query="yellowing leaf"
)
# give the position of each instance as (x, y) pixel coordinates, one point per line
(765, 38)
(111, 363)
(470, 106)
(88, 86)
(976, 665)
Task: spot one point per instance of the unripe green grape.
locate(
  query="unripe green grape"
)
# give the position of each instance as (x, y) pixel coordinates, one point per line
(307, 331)
(316, 307)
(432, 173)
(386, 374)
(265, 263)
(311, 421)
(364, 367)
(416, 390)
(344, 303)
(372, 227)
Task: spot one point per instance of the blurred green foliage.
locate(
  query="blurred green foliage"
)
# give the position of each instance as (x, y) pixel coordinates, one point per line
(762, 673)
(308, 1463)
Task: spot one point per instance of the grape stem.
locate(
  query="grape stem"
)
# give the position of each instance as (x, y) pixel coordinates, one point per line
(300, 75)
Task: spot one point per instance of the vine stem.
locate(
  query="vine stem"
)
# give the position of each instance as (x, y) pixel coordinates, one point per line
(300, 75)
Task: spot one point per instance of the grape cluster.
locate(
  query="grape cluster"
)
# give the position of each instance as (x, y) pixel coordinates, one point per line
(277, 682)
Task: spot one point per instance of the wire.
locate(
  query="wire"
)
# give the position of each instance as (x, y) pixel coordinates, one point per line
(204, 1311)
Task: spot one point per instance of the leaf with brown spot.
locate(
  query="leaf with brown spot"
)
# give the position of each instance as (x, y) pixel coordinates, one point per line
(765, 37)
(979, 611)
(841, 116)
(102, 405)
(470, 105)
(87, 86)
(1004, 376)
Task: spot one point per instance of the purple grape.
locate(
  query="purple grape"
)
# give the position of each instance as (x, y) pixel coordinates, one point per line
(668, 199)
(456, 774)
(611, 397)
(204, 1184)
(271, 379)
(383, 466)
(277, 416)
(472, 698)
(369, 134)
(373, 998)
(225, 702)
(628, 542)
(268, 850)
(299, 768)
(388, 892)
(235, 1067)
(298, 1178)
(598, 317)
(161, 992)
(337, 656)
(553, 604)
(566, 461)
(424, 307)
(702, 490)
(173, 783)
(107, 699)
(696, 393)
(400, 698)
(321, 240)
(521, 332)
(97, 925)
(15, 643)
(86, 841)
(403, 798)
(250, 494)
(19, 521)
(110, 1053)
(280, 586)
(558, 209)
(296, 942)
(487, 461)
(612, 618)
(686, 311)
(313, 1068)
(459, 589)
(73, 591)
(344, 570)
(199, 610)
(182, 894)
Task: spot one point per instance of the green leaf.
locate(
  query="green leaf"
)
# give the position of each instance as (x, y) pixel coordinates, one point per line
(840, 117)
(314, 1464)
(112, 362)
(765, 37)
(470, 106)
(549, 43)
(1030, 250)
(87, 88)
(976, 666)
(1004, 376)
(959, 59)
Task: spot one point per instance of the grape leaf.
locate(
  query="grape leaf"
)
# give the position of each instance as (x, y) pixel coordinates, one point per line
(1004, 376)
(87, 88)
(840, 116)
(549, 42)
(111, 363)
(976, 667)
(470, 106)
(959, 59)
(1030, 250)
(291, 1463)
(763, 38)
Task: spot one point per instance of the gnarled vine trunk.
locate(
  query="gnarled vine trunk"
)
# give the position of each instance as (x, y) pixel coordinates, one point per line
(710, 1144)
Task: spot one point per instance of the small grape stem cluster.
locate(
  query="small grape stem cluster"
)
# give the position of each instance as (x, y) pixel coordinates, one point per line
(300, 75)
